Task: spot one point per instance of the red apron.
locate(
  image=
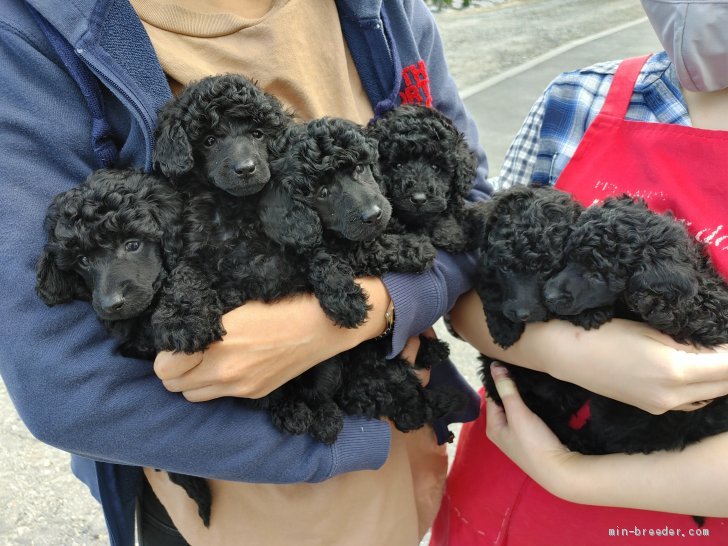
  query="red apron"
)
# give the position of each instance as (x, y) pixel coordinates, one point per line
(488, 499)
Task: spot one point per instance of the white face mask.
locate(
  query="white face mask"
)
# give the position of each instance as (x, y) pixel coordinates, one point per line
(695, 36)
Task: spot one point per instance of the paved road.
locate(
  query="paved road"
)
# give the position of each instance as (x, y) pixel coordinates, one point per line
(40, 501)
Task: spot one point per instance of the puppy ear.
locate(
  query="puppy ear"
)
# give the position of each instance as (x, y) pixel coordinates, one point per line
(465, 167)
(658, 283)
(287, 221)
(55, 286)
(173, 151)
(167, 214)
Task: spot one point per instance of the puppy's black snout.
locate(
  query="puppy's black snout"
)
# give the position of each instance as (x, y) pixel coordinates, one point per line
(554, 295)
(522, 314)
(244, 168)
(372, 215)
(112, 302)
(418, 198)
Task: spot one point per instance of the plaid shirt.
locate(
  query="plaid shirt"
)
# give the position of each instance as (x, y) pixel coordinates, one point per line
(558, 120)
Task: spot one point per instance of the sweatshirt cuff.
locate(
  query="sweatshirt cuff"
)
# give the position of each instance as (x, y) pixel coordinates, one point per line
(421, 299)
(363, 444)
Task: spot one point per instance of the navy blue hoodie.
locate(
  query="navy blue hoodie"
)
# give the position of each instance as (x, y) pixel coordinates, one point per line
(81, 86)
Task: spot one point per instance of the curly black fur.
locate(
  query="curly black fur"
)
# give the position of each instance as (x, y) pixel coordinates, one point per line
(326, 211)
(217, 132)
(521, 233)
(214, 142)
(427, 170)
(625, 260)
(113, 240)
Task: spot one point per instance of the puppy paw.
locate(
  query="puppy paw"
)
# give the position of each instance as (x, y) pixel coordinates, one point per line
(349, 312)
(432, 352)
(449, 235)
(328, 420)
(292, 417)
(504, 332)
(188, 334)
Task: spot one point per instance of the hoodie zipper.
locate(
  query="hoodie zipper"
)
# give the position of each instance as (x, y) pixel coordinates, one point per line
(132, 101)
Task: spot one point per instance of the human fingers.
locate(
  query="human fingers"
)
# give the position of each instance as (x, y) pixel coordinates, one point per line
(707, 365)
(512, 402)
(497, 421)
(168, 365)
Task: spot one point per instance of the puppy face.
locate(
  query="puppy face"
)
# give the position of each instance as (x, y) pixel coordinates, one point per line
(577, 288)
(418, 188)
(122, 277)
(349, 202)
(111, 240)
(219, 130)
(523, 239)
(425, 163)
(323, 181)
(233, 155)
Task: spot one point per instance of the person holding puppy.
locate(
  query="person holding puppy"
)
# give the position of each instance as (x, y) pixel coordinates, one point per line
(655, 126)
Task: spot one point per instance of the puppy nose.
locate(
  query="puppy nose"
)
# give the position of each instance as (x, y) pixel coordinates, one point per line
(418, 198)
(374, 214)
(522, 314)
(112, 302)
(553, 295)
(244, 168)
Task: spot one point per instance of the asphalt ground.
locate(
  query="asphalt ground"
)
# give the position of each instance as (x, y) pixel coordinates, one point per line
(502, 54)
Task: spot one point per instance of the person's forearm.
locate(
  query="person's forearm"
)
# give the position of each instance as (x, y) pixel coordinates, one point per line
(693, 481)
(624, 360)
(468, 320)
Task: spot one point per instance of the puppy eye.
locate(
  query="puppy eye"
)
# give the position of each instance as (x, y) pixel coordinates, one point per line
(398, 166)
(83, 261)
(504, 269)
(594, 277)
(257, 133)
(359, 169)
(323, 192)
(132, 246)
(209, 141)
(435, 168)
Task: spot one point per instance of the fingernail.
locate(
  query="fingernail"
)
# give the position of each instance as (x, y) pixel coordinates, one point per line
(498, 370)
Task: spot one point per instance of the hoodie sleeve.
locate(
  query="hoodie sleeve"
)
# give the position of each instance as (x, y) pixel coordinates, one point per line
(70, 387)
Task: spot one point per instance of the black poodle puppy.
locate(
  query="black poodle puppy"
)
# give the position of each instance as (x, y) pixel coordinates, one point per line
(622, 257)
(213, 141)
(625, 260)
(427, 170)
(521, 233)
(113, 240)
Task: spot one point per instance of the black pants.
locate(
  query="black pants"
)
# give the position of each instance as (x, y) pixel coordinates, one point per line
(154, 526)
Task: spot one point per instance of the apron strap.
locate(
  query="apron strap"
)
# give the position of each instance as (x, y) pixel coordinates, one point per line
(620, 92)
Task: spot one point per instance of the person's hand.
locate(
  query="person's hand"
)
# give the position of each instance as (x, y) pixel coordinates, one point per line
(523, 436)
(624, 360)
(267, 345)
(635, 364)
